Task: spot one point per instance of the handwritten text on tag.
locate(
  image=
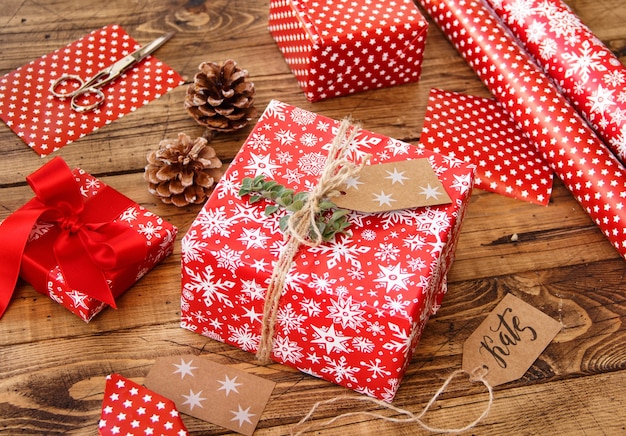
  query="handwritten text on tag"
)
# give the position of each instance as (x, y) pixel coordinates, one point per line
(509, 340)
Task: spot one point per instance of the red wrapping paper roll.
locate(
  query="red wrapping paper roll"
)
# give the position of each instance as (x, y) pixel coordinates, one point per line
(585, 70)
(585, 165)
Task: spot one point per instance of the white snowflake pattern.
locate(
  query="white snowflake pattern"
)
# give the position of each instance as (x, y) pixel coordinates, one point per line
(364, 345)
(252, 289)
(311, 306)
(312, 163)
(212, 288)
(341, 249)
(129, 215)
(243, 337)
(346, 312)
(228, 258)
(322, 283)
(387, 252)
(583, 63)
(149, 230)
(214, 222)
(38, 230)
(397, 147)
(285, 137)
(286, 350)
(192, 247)
(229, 185)
(284, 157)
(519, 10)
(258, 141)
(396, 305)
(548, 48)
(375, 367)
(308, 140)
(340, 370)
(275, 109)
(302, 117)
(289, 320)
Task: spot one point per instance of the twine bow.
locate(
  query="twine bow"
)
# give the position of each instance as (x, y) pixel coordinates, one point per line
(87, 241)
(336, 171)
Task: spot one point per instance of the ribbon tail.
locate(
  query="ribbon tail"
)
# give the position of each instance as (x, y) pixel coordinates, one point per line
(84, 275)
(14, 232)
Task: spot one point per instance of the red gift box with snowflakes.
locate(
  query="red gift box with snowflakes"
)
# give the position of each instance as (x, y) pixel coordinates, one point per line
(353, 309)
(116, 236)
(341, 47)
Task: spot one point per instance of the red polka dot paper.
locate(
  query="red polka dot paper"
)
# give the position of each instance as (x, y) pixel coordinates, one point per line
(131, 409)
(479, 131)
(46, 123)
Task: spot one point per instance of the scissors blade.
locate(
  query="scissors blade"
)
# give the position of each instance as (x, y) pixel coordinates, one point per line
(151, 47)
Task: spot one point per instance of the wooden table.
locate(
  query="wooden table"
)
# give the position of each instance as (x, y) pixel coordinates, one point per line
(52, 365)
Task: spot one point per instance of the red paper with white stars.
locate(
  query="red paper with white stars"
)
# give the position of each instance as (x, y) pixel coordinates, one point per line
(339, 47)
(590, 171)
(587, 72)
(353, 309)
(131, 409)
(46, 123)
(480, 131)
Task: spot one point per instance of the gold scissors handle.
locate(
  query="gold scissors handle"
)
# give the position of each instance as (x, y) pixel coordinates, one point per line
(90, 90)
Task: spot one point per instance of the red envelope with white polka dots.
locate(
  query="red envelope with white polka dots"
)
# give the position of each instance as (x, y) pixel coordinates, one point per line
(478, 130)
(46, 123)
(129, 408)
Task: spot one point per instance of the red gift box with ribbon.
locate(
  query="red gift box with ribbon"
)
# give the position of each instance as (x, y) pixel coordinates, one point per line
(353, 309)
(341, 47)
(79, 241)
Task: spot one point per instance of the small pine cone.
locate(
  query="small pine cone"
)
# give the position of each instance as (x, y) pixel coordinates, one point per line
(182, 171)
(220, 98)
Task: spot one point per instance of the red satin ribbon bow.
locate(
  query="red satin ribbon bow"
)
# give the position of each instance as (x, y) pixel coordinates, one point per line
(84, 247)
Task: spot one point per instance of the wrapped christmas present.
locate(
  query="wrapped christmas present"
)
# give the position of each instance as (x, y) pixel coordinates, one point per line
(353, 307)
(341, 47)
(79, 241)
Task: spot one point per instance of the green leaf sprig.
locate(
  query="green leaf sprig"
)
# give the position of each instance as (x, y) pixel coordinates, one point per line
(330, 220)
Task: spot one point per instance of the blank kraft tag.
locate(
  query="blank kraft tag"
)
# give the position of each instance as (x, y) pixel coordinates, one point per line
(509, 340)
(392, 186)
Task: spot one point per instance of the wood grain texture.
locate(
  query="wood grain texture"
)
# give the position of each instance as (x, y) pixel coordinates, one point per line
(52, 365)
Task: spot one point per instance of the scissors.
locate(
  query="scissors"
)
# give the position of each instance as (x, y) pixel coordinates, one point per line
(89, 90)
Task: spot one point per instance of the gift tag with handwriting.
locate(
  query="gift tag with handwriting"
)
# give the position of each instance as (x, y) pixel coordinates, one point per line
(392, 186)
(509, 340)
(216, 393)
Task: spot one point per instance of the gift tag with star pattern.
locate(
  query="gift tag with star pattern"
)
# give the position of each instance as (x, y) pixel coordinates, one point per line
(212, 392)
(393, 186)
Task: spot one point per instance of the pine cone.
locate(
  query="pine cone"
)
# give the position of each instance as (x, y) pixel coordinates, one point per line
(220, 97)
(182, 171)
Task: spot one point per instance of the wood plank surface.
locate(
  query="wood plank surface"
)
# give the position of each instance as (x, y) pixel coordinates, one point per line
(52, 365)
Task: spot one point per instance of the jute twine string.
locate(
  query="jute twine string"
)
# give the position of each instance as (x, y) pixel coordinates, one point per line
(477, 375)
(336, 171)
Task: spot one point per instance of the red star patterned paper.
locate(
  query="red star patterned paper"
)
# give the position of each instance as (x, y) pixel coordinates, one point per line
(339, 47)
(129, 409)
(220, 394)
(589, 170)
(480, 131)
(46, 123)
(587, 72)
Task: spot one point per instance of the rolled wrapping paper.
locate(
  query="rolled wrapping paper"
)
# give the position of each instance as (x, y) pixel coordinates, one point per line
(586, 71)
(585, 165)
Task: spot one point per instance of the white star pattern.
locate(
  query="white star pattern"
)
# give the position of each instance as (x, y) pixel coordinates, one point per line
(14, 87)
(585, 165)
(396, 177)
(184, 368)
(383, 198)
(193, 399)
(588, 73)
(327, 72)
(333, 313)
(430, 192)
(229, 384)
(242, 416)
